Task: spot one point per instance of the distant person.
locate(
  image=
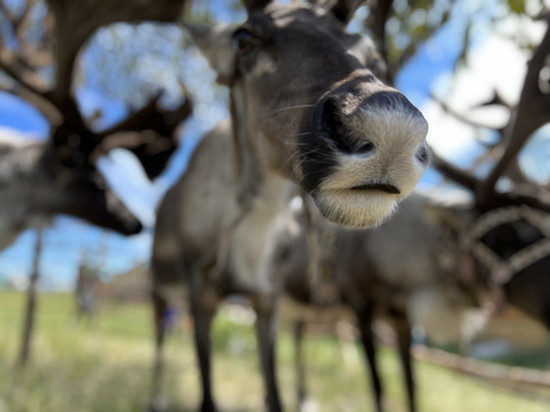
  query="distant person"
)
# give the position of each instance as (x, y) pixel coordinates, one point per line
(87, 291)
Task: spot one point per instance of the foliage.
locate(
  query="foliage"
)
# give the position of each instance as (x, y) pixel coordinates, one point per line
(411, 24)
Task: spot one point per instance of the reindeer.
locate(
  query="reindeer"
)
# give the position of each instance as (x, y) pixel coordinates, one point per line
(357, 270)
(329, 130)
(305, 110)
(501, 240)
(506, 249)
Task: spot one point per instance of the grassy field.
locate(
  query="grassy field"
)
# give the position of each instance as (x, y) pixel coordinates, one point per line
(105, 367)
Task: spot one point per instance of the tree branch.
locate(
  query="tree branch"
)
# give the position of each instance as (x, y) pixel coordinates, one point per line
(19, 22)
(459, 116)
(454, 173)
(31, 88)
(7, 13)
(76, 21)
(376, 23)
(44, 106)
(497, 199)
(10, 64)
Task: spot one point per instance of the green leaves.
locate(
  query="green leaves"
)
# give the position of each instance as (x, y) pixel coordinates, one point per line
(517, 6)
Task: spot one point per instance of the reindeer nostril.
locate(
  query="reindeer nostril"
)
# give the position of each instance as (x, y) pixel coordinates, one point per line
(422, 155)
(364, 148)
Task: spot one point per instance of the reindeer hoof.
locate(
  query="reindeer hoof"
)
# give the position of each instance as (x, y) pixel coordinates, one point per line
(208, 407)
(309, 405)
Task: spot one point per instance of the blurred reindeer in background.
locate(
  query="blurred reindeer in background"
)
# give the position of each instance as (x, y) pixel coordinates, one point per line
(405, 271)
(39, 180)
(305, 109)
(506, 233)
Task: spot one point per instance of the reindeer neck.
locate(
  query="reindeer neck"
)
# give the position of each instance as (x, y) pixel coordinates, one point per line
(275, 191)
(253, 240)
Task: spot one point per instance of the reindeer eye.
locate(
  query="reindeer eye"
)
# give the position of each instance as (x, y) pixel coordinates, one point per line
(244, 41)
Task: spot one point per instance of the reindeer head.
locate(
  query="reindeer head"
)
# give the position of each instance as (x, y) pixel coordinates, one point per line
(75, 187)
(311, 109)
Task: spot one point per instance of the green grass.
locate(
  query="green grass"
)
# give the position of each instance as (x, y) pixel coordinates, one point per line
(105, 366)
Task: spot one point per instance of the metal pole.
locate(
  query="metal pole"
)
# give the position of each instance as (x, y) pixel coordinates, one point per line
(30, 311)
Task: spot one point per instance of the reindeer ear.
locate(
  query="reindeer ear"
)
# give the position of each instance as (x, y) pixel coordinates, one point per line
(216, 44)
(344, 10)
(253, 5)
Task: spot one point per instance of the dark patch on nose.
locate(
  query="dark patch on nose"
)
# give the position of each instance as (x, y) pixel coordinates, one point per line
(333, 128)
(317, 156)
(382, 187)
(332, 125)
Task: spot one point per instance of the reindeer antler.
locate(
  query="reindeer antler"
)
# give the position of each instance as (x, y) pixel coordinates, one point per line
(74, 23)
(149, 134)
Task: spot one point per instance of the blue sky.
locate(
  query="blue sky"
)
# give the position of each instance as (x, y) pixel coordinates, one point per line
(68, 239)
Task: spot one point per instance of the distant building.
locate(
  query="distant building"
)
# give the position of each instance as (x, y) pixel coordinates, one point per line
(131, 286)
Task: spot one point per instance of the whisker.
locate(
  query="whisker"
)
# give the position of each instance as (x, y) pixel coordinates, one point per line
(299, 106)
(324, 159)
(292, 144)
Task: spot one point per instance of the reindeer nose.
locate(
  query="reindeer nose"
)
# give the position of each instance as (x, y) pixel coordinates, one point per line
(333, 124)
(133, 228)
(388, 113)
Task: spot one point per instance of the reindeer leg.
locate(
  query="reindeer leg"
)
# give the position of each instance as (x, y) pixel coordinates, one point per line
(202, 318)
(265, 330)
(299, 327)
(364, 320)
(403, 331)
(159, 308)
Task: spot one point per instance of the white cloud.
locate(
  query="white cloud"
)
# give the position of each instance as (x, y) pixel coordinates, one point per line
(447, 136)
